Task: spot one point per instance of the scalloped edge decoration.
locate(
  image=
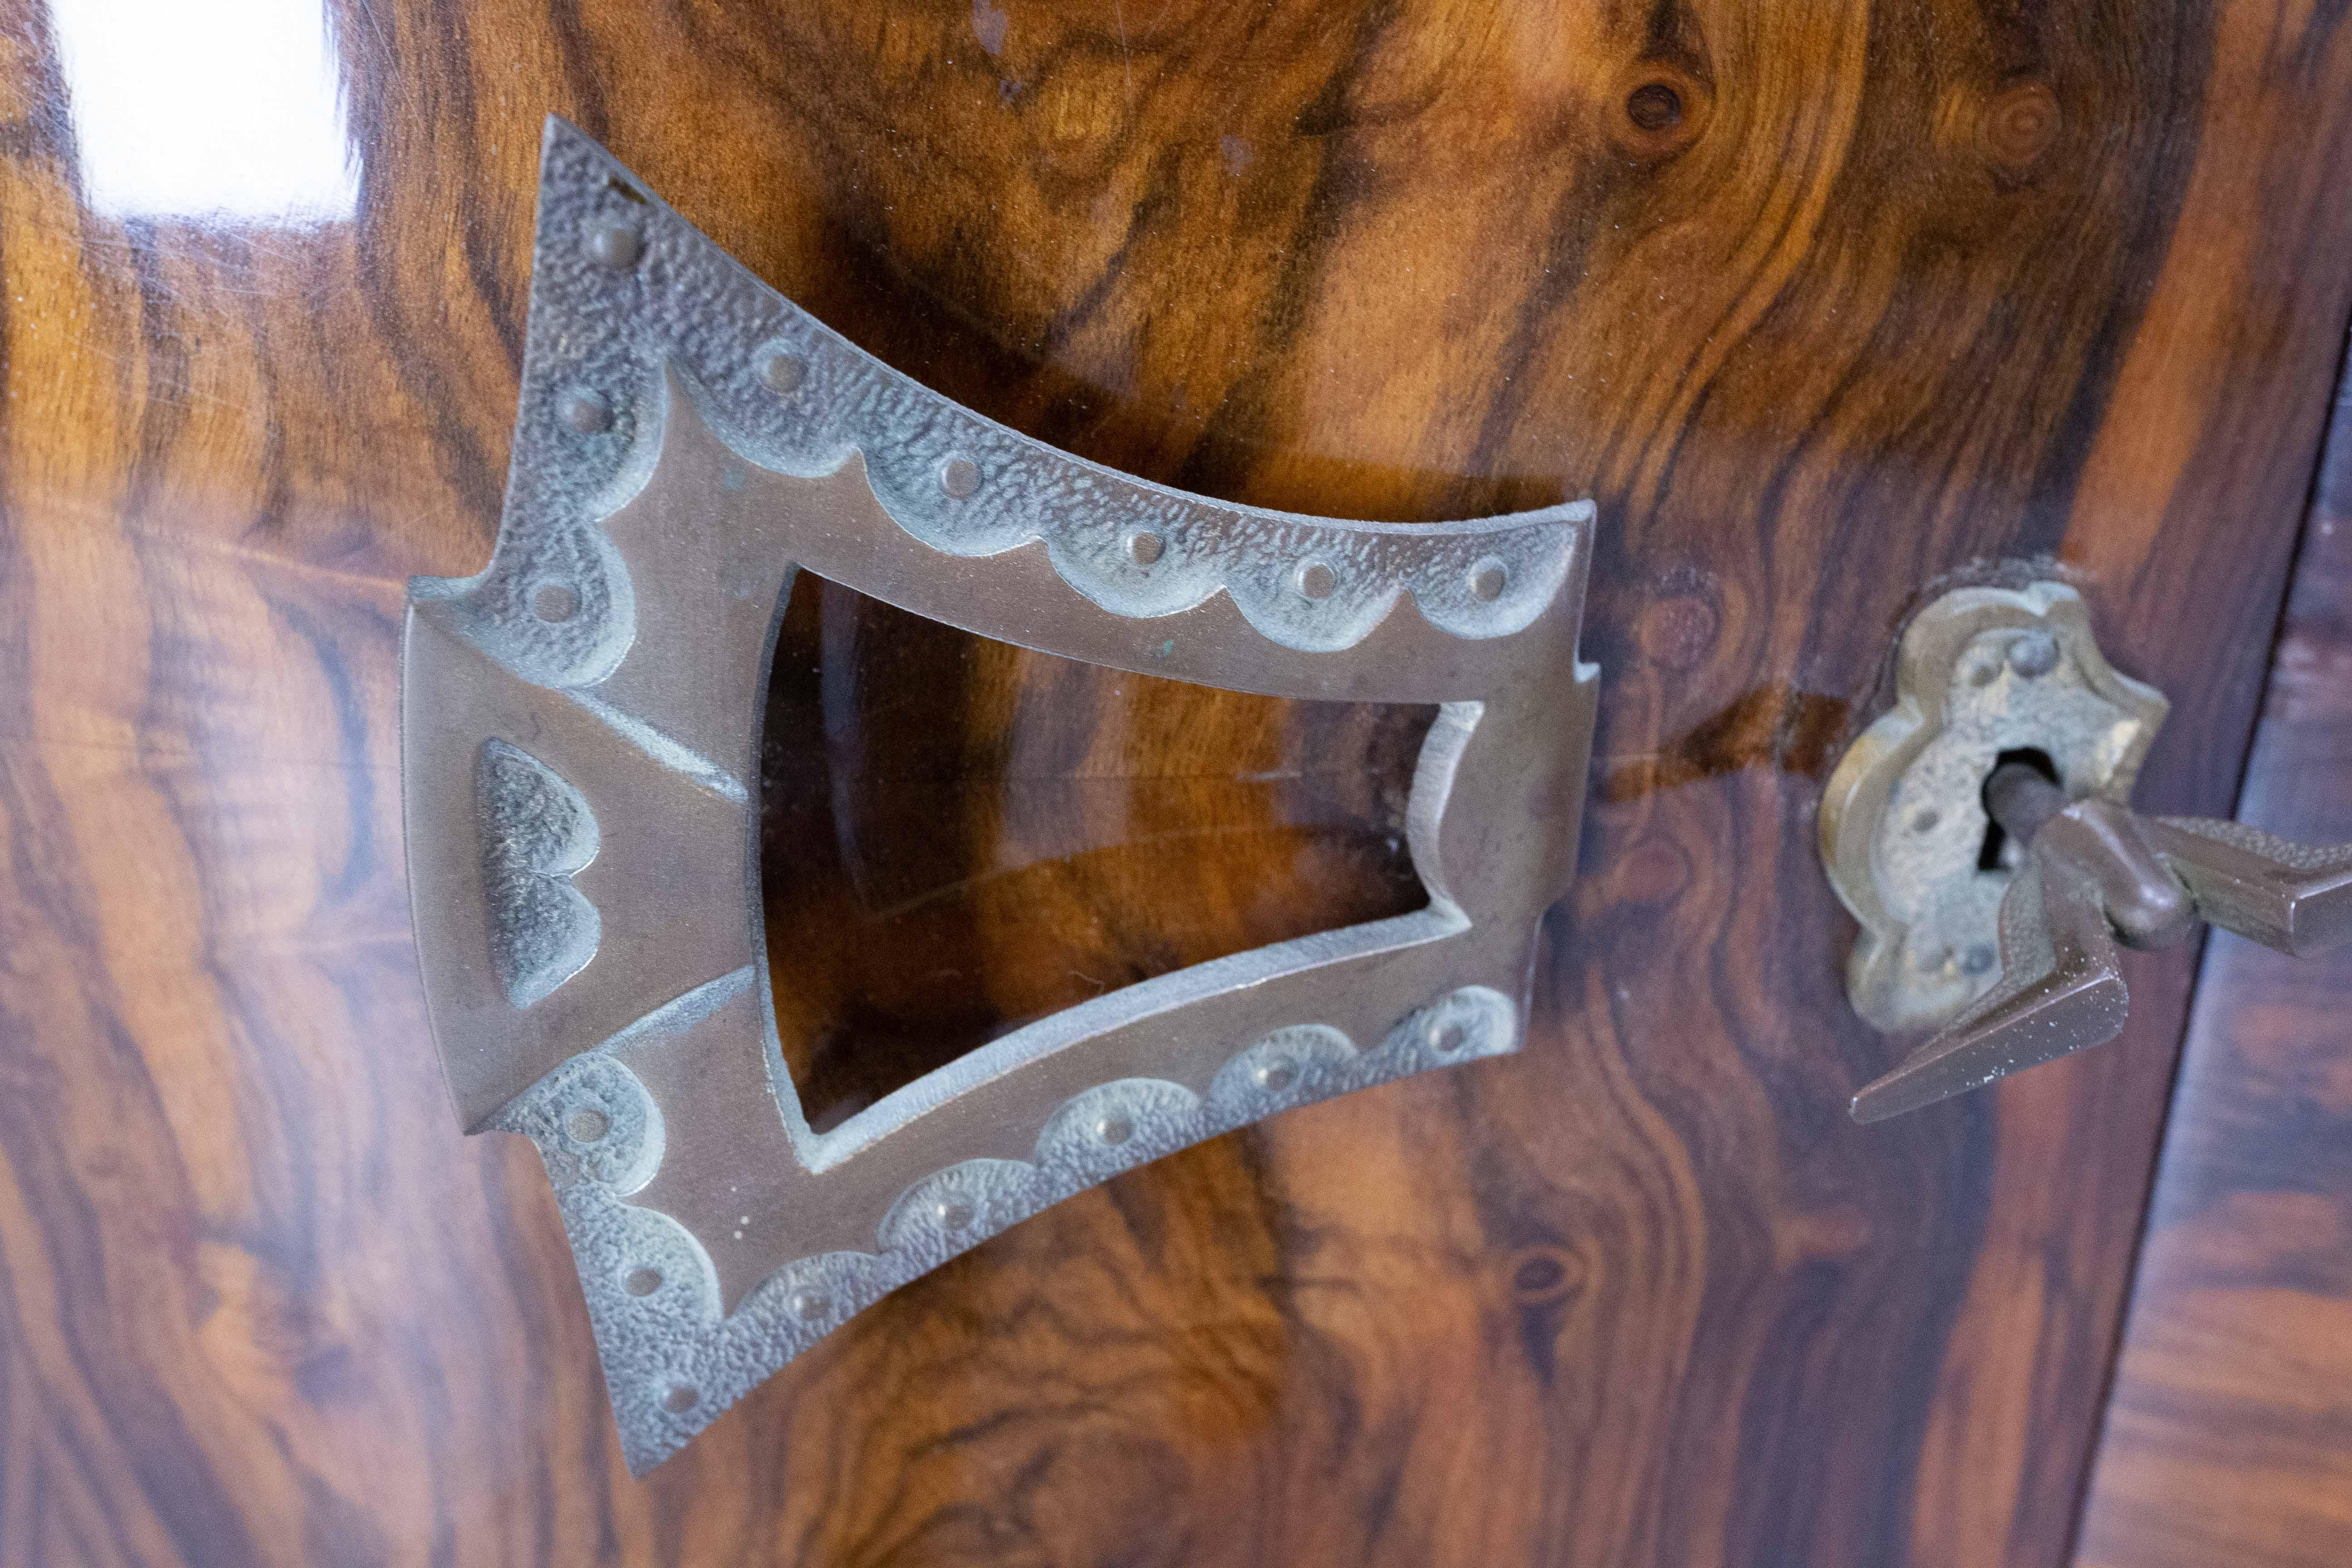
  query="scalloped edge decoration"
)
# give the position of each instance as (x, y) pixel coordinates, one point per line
(687, 439)
(600, 339)
(673, 1359)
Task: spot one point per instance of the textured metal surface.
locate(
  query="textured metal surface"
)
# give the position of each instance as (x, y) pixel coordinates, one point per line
(1981, 672)
(2296, 897)
(579, 729)
(2060, 990)
(2096, 873)
(2089, 877)
(2146, 905)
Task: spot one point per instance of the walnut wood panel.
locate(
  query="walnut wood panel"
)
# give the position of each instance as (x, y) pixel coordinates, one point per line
(2229, 1432)
(1827, 304)
(933, 804)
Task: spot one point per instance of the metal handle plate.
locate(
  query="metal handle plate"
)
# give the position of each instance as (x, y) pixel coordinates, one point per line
(577, 766)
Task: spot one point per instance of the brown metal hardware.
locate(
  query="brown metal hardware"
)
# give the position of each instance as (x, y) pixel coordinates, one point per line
(1984, 674)
(2097, 874)
(579, 765)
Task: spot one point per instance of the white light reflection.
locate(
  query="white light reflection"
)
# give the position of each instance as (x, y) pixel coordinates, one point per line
(202, 107)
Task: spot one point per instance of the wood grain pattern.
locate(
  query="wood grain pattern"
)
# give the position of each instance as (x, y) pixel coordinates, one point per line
(958, 836)
(2228, 1433)
(1888, 292)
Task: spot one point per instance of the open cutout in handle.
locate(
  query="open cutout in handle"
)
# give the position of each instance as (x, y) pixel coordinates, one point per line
(687, 440)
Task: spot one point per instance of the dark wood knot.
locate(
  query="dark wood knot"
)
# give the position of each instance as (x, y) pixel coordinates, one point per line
(1542, 1275)
(1659, 112)
(1679, 631)
(1654, 106)
(1654, 871)
(2017, 126)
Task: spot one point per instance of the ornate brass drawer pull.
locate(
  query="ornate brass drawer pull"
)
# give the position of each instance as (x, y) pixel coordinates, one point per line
(578, 772)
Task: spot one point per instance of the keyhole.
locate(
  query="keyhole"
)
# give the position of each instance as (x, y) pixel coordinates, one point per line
(1995, 838)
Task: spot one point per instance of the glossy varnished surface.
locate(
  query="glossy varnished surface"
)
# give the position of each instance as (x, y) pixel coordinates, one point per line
(2229, 1436)
(1886, 293)
(958, 836)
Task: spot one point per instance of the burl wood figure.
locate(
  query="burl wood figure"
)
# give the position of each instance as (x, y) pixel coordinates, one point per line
(1829, 308)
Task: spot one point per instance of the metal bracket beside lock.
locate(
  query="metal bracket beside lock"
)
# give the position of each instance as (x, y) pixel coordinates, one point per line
(578, 731)
(1982, 674)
